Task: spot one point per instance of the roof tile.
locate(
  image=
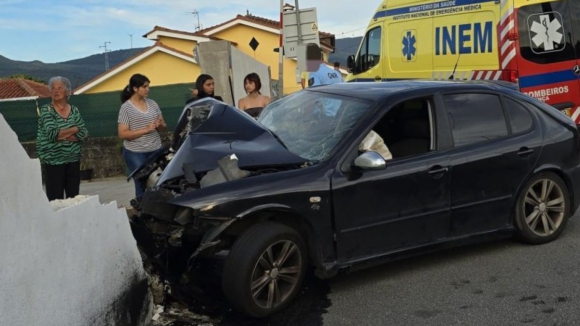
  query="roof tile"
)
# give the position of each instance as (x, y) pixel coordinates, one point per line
(19, 87)
(164, 29)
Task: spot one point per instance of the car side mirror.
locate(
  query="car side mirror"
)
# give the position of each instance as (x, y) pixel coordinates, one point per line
(370, 61)
(350, 63)
(370, 161)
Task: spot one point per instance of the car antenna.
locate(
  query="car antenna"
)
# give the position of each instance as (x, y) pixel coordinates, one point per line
(456, 63)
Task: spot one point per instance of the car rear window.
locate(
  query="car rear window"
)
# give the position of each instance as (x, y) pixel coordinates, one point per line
(475, 118)
(520, 118)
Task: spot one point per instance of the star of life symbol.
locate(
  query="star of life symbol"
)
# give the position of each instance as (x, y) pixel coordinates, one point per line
(547, 32)
(409, 48)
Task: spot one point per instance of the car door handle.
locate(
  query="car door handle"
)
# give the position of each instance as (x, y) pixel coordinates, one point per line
(524, 151)
(438, 170)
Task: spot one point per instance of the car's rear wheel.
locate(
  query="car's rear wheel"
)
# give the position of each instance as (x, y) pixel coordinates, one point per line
(264, 269)
(543, 209)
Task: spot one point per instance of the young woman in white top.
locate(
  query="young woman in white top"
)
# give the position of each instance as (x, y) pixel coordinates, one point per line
(139, 123)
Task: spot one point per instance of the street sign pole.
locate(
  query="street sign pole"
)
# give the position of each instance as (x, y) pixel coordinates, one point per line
(300, 27)
(297, 27)
(281, 54)
(299, 69)
(298, 23)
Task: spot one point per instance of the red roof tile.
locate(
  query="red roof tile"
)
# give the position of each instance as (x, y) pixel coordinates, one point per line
(19, 87)
(164, 29)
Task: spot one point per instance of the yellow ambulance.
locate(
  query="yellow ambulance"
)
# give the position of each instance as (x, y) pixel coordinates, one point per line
(534, 44)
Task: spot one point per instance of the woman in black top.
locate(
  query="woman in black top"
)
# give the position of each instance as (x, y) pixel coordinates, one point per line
(254, 102)
(204, 87)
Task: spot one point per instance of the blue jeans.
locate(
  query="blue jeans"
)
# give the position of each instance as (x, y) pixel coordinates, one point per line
(134, 160)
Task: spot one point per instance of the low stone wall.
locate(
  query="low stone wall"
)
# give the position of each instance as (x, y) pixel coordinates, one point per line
(103, 155)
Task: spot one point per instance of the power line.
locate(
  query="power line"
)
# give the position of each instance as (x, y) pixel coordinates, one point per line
(347, 32)
(354, 30)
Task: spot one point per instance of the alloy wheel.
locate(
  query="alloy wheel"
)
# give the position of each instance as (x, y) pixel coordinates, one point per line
(276, 274)
(544, 207)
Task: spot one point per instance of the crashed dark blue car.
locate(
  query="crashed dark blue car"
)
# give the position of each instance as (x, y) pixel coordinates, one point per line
(344, 176)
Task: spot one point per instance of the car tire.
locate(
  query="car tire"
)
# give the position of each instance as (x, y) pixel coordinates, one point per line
(256, 279)
(542, 209)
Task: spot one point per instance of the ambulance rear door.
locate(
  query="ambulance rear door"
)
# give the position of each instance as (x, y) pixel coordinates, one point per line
(548, 53)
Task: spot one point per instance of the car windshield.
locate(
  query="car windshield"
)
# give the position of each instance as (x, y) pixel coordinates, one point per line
(311, 124)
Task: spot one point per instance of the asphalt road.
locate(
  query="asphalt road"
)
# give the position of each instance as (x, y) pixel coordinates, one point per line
(499, 283)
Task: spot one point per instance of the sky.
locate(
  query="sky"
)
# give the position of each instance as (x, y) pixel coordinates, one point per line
(55, 31)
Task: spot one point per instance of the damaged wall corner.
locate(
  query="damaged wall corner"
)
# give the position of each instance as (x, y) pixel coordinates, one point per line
(73, 262)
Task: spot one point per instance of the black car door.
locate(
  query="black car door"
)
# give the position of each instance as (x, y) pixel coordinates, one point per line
(404, 205)
(497, 142)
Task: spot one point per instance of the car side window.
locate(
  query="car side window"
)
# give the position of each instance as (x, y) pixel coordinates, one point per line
(475, 118)
(405, 130)
(519, 117)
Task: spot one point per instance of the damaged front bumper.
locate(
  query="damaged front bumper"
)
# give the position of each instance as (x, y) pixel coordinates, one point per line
(163, 227)
(174, 237)
(175, 249)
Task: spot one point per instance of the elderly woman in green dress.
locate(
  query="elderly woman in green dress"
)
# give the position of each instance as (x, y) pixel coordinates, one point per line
(60, 133)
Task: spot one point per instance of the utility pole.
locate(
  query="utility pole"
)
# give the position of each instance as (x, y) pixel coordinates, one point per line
(198, 26)
(106, 55)
(76, 77)
(131, 36)
(281, 53)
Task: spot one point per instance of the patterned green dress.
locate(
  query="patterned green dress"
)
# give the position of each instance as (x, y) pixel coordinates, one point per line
(49, 149)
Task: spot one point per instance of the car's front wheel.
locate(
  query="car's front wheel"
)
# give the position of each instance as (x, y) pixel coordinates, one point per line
(543, 209)
(264, 269)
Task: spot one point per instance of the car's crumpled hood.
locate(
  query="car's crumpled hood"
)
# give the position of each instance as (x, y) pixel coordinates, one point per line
(225, 131)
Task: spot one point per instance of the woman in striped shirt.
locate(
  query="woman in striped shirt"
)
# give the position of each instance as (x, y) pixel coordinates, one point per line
(59, 137)
(139, 123)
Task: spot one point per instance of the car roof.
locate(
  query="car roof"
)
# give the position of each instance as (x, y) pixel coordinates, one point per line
(381, 90)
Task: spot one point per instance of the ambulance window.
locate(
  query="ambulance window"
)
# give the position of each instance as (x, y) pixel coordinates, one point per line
(545, 33)
(370, 51)
(475, 118)
(520, 118)
(575, 15)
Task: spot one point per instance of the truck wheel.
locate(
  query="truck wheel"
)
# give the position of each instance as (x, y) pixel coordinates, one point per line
(543, 209)
(264, 269)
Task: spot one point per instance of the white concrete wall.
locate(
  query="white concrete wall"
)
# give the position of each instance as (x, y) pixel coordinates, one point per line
(71, 263)
(229, 66)
(242, 65)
